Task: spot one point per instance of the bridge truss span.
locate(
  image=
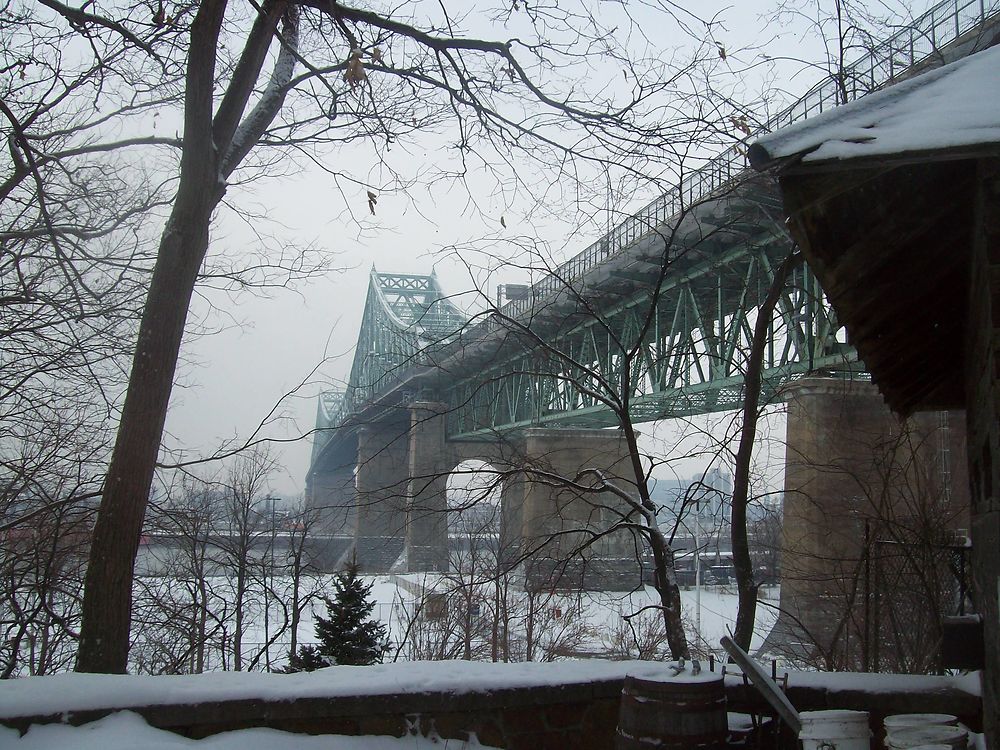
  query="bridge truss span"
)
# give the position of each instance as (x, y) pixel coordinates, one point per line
(656, 316)
(654, 320)
(405, 316)
(658, 346)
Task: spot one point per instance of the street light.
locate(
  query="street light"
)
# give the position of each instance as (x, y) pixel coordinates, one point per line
(697, 566)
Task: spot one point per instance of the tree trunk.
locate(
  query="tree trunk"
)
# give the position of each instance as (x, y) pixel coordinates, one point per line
(296, 591)
(107, 602)
(746, 586)
(238, 635)
(663, 555)
(202, 613)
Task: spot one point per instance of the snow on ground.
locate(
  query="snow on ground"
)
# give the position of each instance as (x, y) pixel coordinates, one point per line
(718, 612)
(128, 731)
(395, 598)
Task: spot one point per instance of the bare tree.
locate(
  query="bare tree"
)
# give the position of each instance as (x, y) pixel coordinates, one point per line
(84, 101)
(587, 354)
(746, 581)
(765, 544)
(636, 635)
(224, 578)
(176, 612)
(365, 75)
(300, 568)
(246, 533)
(40, 587)
(73, 261)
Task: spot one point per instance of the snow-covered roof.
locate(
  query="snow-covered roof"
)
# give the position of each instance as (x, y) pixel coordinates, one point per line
(952, 108)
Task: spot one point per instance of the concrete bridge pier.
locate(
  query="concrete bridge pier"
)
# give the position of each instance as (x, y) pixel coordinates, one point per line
(331, 505)
(558, 530)
(430, 459)
(853, 468)
(559, 521)
(332, 501)
(382, 489)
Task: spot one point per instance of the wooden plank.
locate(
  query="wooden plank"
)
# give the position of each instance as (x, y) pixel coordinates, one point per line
(767, 687)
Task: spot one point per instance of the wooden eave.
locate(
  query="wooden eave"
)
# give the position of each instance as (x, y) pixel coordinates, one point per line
(761, 160)
(890, 245)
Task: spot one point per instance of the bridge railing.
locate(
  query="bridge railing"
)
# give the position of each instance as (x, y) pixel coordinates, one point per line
(908, 47)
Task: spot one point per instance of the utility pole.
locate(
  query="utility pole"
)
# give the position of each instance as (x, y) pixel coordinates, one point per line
(697, 567)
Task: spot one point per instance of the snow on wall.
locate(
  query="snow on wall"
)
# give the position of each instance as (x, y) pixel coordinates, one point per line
(128, 731)
(61, 693)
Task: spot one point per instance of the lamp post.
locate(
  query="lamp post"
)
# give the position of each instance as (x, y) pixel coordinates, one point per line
(697, 567)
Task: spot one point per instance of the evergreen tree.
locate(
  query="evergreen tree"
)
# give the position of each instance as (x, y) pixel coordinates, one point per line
(348, 634)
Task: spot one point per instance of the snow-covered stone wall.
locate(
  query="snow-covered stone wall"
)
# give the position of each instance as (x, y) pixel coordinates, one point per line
(570, 704)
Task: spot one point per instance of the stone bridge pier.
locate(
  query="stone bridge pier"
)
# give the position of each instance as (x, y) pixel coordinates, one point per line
(866, 497)
(554, 489)
(554, 519)
(336, 504)
(382, 478)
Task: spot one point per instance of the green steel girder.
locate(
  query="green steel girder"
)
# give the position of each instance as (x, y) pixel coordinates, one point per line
(579, 340)
(404, 315)
(600, 344)
(686, 356)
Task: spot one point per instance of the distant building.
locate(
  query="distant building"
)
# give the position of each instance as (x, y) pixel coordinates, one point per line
(708, 495)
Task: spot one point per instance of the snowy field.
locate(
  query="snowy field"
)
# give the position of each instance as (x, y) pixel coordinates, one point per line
(601, 610)
(559, 625)
(600, 615)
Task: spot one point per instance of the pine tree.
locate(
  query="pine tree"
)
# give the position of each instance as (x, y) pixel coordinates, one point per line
(348, 634)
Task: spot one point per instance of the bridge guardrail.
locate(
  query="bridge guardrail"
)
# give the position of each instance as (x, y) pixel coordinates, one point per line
(915, 43)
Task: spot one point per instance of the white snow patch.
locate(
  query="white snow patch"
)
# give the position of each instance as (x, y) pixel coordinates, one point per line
(62, 693)
(887, 683)
(128, 731)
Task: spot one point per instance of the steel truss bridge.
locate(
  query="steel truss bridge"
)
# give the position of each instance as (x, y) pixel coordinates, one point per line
(654, 318)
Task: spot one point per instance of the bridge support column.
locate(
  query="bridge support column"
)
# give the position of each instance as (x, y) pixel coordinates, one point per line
(431, 458)
(558, 522)
(382, 489)
(856, 477)
(332, 501)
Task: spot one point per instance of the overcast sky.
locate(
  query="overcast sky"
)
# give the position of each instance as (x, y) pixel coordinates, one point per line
(267, 347)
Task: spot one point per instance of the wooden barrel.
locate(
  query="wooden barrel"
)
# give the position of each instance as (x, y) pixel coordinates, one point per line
(672, 715)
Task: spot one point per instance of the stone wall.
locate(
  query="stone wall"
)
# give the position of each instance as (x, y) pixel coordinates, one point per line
(579, 715)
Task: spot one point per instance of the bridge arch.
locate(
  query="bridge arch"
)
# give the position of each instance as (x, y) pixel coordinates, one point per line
(476, 534)
(474, 490)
